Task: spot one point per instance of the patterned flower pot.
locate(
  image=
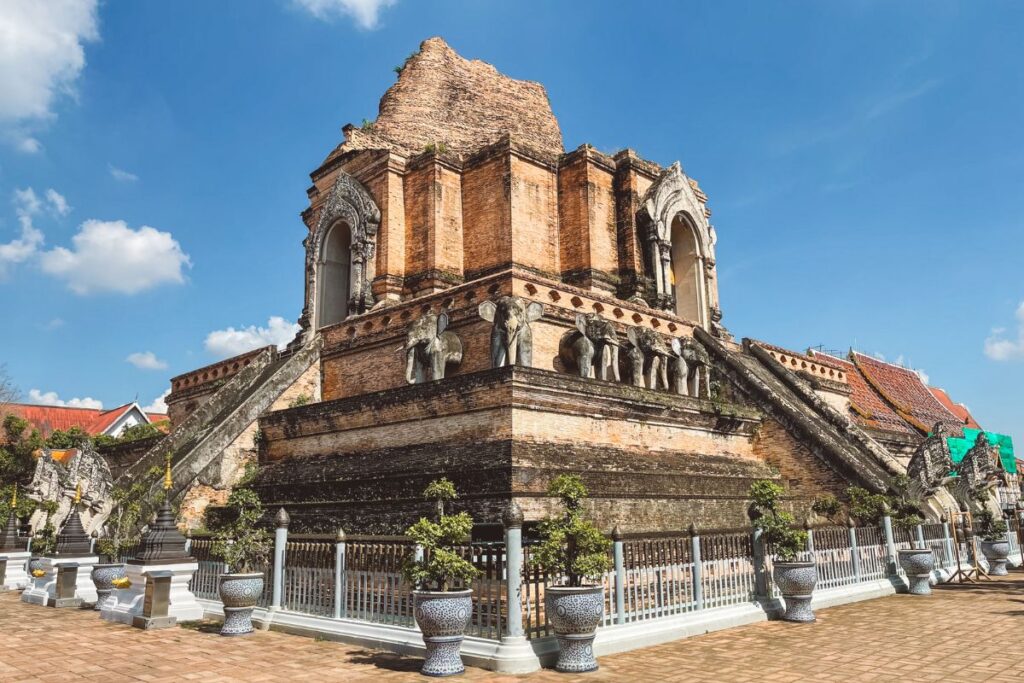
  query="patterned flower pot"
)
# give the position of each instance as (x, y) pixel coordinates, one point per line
(102, 576)
(574, 614)
(996, 552)
(918, 564)
(443, 617)
(796, 581)
(239, 593)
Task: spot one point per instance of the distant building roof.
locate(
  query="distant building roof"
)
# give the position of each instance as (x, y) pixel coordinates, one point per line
(906, 394)
(958, 409)
(48, 419)
(867, 405)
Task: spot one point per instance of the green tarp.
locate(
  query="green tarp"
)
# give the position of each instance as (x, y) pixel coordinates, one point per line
(958, 447)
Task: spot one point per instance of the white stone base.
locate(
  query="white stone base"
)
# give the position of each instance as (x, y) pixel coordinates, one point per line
(44, 588)
(125, 604)
(16, 578)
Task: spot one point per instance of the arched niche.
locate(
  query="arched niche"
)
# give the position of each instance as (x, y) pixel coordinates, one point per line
(679, 248)
(334, 274)
(348, 221)
(687, 270)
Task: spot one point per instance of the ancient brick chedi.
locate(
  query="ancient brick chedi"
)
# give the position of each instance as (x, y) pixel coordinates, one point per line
(483, 305)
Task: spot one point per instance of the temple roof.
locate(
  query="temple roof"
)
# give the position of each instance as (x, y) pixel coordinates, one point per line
(456, 105)
(48, 419)
(904, 391)
(958, 409)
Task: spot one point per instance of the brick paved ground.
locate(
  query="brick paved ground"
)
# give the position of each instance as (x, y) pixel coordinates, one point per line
(961, 633)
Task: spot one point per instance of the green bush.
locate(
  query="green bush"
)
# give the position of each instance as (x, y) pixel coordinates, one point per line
(571, 546)
(989, 528)
(827, 506)
(776, 525)
(440, 568)
(242, 544)
(866, 508)
(123, 528)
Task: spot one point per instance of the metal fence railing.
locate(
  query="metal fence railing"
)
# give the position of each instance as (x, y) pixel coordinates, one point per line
(653, 578)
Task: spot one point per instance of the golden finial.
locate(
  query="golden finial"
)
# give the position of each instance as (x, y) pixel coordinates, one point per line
(14, 497)
(78, 493)
(168, 481)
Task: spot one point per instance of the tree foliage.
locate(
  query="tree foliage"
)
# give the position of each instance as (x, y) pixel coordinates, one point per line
(124, 527)
(868, 508)
(989, 528)
(775, 524)
(17, 445)
(243, 544)
(440, 568)
(827, 505)
(571, 546)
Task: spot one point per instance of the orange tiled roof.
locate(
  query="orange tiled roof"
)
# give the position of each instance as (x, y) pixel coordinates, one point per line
(958, 409)
(905, 393)
(867, 405)
(48, 419)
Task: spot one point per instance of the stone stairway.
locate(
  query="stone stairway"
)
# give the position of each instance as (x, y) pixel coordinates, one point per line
(207, 431)
(835, 438)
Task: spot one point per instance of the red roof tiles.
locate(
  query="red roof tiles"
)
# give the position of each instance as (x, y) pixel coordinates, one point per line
(958, 409)
(867, 406)
(905, 393)
(48, 419)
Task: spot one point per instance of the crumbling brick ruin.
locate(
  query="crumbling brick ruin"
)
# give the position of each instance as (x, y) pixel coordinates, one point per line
(483, 305)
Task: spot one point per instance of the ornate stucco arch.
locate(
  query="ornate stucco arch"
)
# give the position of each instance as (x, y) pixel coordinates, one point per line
(349, 202)
(672, 197)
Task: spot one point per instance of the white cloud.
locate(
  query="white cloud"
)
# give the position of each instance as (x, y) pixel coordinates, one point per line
(923, 375)
(58, 204)
(50, 398)
(146, 360)
(121, 175)
(159, 405)
(54, 324)
(41, 57)
(108, 256)
(231, 342)
(999, 347)
(364, 12)
(26, 205)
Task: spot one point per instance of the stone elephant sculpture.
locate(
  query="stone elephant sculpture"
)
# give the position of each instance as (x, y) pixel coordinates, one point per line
(511, 337)
(650, 356)
(690, 364)
(430, 348)
(592, 349)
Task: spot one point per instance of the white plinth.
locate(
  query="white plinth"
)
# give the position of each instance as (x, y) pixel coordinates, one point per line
(125, 604)
(17, 576)
(44, 588)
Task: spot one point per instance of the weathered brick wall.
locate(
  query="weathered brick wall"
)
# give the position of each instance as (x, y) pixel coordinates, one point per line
(804, 474)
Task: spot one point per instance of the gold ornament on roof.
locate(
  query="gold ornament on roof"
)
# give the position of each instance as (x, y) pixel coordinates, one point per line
(78, 493)
(14, 497)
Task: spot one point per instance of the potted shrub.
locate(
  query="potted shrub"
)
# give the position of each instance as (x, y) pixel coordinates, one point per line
(244, 547)
(439, 576)
(122, 533)
(796, 580)
(574, 553)
(917, 562)
(994, 544)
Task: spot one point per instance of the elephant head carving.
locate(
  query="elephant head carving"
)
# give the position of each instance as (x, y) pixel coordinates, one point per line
(691, 368)
(649, 355)
(511, 337)
(430, 348)
(592, 346)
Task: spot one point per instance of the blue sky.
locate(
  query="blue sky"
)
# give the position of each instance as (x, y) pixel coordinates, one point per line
(864, 162)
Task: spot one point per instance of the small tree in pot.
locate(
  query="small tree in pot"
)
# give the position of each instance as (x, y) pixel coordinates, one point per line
(796, 580)
(443, 604)
(244, 547)
(905, 512)
(995, 546)
(573, 550)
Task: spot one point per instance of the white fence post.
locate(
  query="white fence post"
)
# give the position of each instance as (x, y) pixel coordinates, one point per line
(280, 541)
(890, 546)
(620, 576)
(854, 551)
(698, 589)
(340, 584)
(920, 537)
(810, 538)
(513, 521)
(761, 581)
(950, 556)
